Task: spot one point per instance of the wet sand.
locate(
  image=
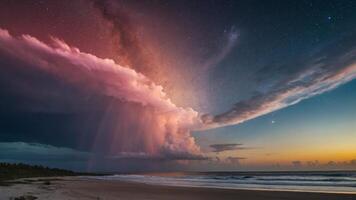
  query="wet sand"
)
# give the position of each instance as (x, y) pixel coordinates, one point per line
(83, 188)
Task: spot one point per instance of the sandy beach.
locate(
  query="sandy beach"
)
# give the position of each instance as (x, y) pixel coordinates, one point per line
(83, 188)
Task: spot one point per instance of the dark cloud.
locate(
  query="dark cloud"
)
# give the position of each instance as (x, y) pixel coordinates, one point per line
(313, 163)
(163, 157)
(329, 165)
(49, 155)
(229, 161)
(21, 151)
(226, 147)
(297, 163)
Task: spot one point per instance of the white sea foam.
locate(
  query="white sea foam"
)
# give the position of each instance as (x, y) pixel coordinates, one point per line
(326, 183)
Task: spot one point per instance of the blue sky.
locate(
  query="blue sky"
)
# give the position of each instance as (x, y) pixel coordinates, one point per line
(313, 122)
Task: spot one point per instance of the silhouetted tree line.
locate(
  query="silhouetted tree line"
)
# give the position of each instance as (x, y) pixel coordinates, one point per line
(9, 171)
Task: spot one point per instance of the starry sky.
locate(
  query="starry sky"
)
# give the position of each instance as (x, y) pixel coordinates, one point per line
(119, 85)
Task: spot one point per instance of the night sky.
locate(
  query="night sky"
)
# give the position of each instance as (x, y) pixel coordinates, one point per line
(178, 85)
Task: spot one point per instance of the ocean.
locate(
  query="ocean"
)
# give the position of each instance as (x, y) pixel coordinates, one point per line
(326, 182)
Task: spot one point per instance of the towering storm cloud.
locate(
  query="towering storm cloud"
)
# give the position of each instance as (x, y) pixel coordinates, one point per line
(137, 118)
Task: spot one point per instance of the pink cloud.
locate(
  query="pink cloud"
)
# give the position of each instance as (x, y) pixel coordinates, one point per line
(146, 119)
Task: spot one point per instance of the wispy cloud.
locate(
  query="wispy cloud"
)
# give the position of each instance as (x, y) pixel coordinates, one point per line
(231, 37)
(227, 147)
(324, 71)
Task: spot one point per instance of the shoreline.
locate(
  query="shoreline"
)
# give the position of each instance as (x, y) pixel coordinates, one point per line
(255, 189)
(232, 188)
(87, 188)
(328, 189)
